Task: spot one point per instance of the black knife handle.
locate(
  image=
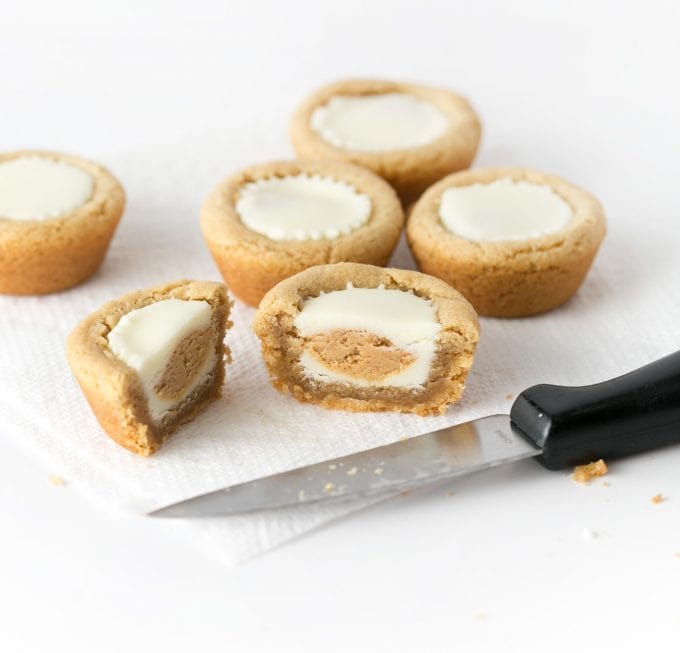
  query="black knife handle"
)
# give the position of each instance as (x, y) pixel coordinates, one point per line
(635, 412)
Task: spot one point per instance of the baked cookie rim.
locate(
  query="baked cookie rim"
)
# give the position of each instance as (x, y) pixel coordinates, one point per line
(587, 222)
(108, 195)
(221, 223)
(421, 284)
(457, 109)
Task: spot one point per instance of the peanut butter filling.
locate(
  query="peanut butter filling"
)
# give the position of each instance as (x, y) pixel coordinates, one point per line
(184, 364)
(359, 354)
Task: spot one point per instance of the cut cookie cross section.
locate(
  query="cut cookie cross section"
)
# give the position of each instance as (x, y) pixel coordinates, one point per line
(363, 338)
(151, 360)
(370, 337)
(166, 344)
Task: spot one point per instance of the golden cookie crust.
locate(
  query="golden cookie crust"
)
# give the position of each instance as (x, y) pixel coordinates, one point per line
(114, 390)
(281, 346)
(252, 263)
(509, 278)
(410, 171)
(44, 256)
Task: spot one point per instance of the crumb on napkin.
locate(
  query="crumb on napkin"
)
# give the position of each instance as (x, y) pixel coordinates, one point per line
(56, 480)
(658, 498)
(588, 534)
(586, 473)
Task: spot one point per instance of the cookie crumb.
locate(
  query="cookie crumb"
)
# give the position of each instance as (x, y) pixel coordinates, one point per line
(508, 397)
(586, 473)
(404, 493)
(606, 483)
(378, 470)
(352, 472)
(56, 480)
(450, 493)
(329, 487)
(658, 498)
(587, 534)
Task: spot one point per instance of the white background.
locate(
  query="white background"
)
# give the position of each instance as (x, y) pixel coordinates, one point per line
(587, 90)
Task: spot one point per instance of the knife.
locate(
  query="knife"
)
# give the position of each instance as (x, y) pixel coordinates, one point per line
(559, 426)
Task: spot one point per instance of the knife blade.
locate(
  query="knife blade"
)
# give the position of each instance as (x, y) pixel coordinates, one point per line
(438, 455)
(559, 426)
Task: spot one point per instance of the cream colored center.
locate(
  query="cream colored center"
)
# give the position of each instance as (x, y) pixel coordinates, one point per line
(503, 210)
(370, 337)
(37, 188)
(302, 207)
(166, 343)
(380, 122)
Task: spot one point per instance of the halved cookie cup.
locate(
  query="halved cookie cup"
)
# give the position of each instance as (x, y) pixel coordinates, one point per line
(117, 394)
(362, 338)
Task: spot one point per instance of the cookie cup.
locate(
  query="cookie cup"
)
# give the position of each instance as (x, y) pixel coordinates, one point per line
(114, 390)
(510, 278)
(252, 263)
(48, 255)
(283, 345)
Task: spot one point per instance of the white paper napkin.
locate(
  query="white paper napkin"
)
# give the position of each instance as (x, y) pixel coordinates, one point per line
(621, 318)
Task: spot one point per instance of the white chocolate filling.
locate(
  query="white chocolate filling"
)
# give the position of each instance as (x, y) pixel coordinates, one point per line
(37, 188)
(380, 122)
(146, 338)
(503, 210)
(408, 321)
(302, 207)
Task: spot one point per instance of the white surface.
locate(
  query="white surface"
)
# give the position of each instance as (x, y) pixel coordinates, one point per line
(35, 188)
(147, 337)
(375, 123)
(589, 93)
(301, 207)
(503, 210)
(409, 322)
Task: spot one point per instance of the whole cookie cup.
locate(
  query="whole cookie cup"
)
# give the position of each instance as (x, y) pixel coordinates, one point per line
(58, 214)
(362, 338)
(411, 135)
(270, 221)
(514, 241)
